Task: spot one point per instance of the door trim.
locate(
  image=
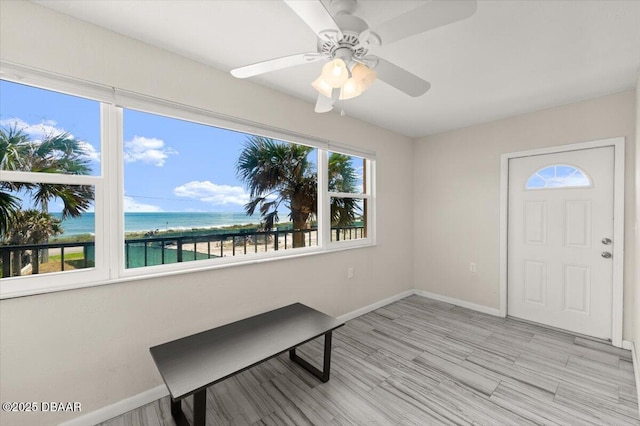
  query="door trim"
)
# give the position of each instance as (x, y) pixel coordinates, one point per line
(618, 223)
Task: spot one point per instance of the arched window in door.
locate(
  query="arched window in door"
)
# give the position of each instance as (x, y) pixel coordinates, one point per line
(558, 176)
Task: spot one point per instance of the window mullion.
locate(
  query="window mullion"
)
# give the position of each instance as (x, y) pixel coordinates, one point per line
(101, 201)
(113, 176)
(324, 213)
(52, 178)
(370, 189)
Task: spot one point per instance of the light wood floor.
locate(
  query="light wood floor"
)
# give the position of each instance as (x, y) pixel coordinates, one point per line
(423, 362)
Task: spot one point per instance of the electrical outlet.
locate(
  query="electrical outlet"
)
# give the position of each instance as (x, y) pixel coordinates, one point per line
(349, 272)
(472, 267)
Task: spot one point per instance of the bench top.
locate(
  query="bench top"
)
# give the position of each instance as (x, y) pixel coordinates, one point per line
(195, 362)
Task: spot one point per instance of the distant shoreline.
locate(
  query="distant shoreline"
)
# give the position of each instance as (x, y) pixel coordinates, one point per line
(141, 223)
(171, 232)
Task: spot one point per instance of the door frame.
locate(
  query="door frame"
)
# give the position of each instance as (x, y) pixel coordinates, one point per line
(618, 223)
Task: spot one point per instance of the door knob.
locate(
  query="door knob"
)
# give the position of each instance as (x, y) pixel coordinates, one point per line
(606, 241)
(606, 254)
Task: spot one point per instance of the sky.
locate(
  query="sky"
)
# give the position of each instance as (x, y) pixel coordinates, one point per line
(170, 165)
(174, 165)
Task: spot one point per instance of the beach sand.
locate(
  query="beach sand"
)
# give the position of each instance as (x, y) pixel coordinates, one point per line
(248, 246)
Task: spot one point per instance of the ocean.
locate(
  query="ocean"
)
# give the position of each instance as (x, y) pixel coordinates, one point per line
(179, 221)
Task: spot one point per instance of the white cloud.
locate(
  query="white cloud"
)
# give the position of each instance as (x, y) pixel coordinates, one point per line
(90, 151)
(209, 192)
(38, 131)
(147, 150)
(47, 128)
(131, 205)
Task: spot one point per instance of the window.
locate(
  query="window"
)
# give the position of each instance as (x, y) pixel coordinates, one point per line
(50, 165)
(558, 176)
(186, 188)
(198, 192)
(348, 192)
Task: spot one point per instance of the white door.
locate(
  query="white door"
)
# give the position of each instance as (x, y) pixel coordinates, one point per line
(559, 240)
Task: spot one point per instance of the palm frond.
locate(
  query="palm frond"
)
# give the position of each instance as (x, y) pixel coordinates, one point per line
(9, 206)
(342, 174)
(14, 146)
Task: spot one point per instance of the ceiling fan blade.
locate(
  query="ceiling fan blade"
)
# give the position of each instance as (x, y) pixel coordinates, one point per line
(399, 78)
(432, 15)
(275, 64)
(316, 16)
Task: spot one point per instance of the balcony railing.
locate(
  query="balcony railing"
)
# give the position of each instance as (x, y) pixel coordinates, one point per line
(26, 259)
(159, 250)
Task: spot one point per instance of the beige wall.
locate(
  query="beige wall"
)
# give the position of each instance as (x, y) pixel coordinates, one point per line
(91, 345)
(636, 295)
(457, 194)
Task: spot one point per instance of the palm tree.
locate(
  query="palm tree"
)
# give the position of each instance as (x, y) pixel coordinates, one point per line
(14, 146)
(9, 206)
(13, 149)
(30, 227)
(64, 154)
(76, 199)
(342, 178)
(56, 153)
(278, 173)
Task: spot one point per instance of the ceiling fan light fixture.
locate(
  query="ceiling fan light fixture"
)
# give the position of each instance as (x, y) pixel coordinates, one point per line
(364, 76)
(349, 90)
(335, 73)
(322, 87)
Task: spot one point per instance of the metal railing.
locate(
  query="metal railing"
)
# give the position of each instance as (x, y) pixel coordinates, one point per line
(347, 233)
(15, 258)
(160, 250)
(151, 251)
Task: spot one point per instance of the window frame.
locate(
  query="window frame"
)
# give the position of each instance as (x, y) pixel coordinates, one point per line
(555, 165)
(366, 195)
(65, 280)
(109, 186)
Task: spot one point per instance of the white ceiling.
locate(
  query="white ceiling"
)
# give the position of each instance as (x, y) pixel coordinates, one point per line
(510, 58)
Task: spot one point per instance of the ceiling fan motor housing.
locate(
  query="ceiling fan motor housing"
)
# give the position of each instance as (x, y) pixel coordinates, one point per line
(351, 27)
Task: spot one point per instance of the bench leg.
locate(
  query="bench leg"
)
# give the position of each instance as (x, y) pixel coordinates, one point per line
(199, 410)
(177, 414)
(176, 407)
(326, 368)
(200, 407)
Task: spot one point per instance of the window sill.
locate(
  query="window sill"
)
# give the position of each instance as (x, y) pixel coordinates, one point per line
(152, 272)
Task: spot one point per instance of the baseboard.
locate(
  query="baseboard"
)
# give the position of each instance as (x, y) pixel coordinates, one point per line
(119, 408)
(358, 312)
(635, 357)
(147, 397)
(458, 302)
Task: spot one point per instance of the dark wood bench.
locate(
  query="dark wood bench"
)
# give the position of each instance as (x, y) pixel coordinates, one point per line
(190, 365)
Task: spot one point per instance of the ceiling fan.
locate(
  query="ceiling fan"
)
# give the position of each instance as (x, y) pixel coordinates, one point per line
(345, 40)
